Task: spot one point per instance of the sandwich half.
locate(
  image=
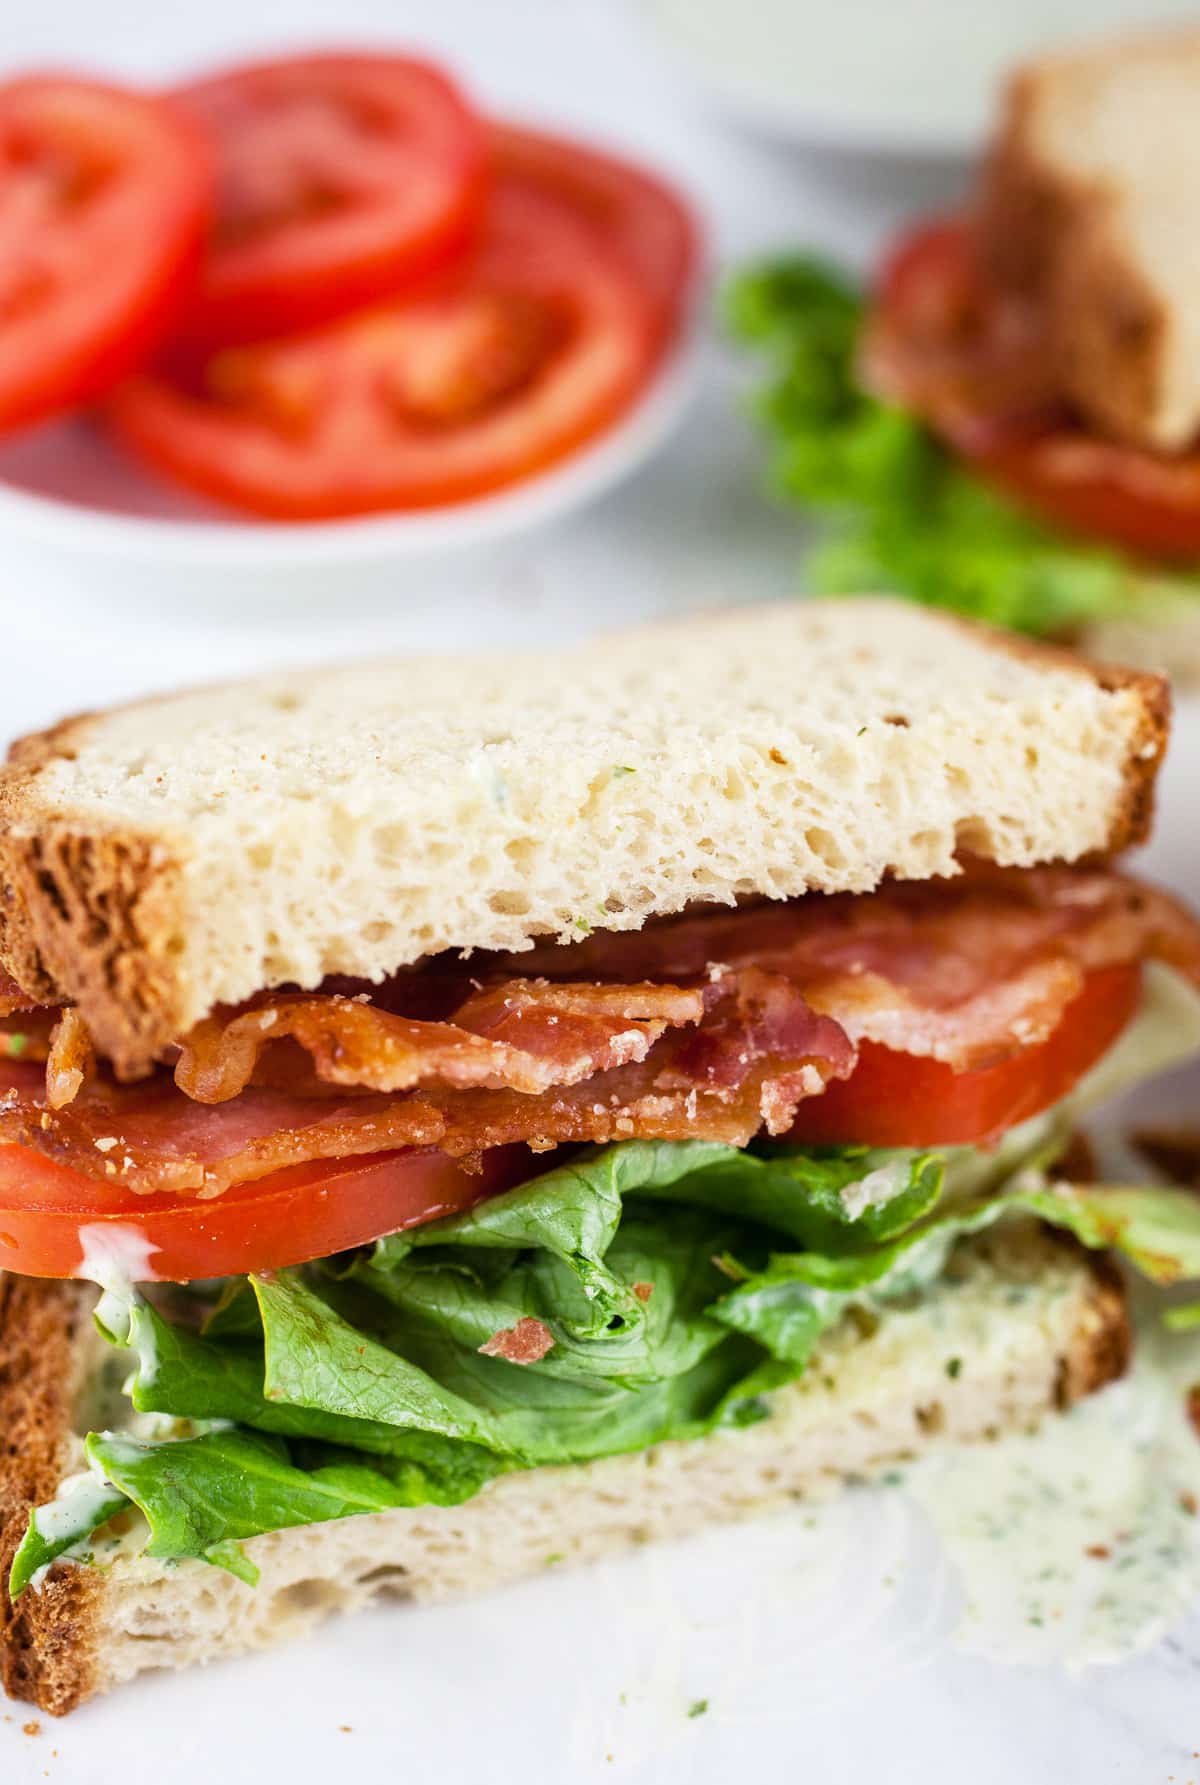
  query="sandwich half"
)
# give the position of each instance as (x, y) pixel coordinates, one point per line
(463, 1115)
(1008, 422)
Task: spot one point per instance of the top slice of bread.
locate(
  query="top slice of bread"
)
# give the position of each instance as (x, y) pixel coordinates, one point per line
(1089, 205)
(172, 855)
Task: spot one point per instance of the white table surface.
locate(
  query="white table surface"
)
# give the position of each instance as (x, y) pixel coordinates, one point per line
(809, 1667)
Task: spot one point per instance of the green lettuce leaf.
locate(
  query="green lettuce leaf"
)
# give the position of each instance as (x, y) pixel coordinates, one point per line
(201, 1497)
(78, 1515)
(903, 514)
(678, 1286)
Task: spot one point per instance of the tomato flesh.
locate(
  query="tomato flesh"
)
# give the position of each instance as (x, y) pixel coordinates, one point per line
(639, 217)
(903, 1100)
(104, 199)
(979, 371)
(307, 1211)
(487, 374)
(341, 177)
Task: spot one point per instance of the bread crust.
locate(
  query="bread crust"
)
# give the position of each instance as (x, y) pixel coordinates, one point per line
(1103, 1347)
(1022, 208)
(89, 914)
(1054, 235)
(94, 913)
(48, 1641)
(1133, 817)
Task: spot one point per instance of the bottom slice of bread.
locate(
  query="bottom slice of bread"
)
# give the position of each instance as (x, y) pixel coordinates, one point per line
(1033, 1321)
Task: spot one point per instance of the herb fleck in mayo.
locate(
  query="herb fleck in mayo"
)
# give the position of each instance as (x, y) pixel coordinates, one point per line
(1080, 1543)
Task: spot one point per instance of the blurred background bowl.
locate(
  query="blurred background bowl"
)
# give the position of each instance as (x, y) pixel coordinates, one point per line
(910, 78)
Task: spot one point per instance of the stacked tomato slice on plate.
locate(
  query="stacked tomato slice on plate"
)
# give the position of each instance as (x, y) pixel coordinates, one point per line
(324, 286)
(104, 197)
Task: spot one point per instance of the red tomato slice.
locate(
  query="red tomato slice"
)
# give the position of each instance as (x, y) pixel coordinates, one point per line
(976, 367)
(486, 375)
(308, 1211)
(638, 216)
(900, 1100)
(340, 178)
(104, 198)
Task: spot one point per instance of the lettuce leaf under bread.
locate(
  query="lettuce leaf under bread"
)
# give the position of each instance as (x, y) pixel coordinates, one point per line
(902, 514)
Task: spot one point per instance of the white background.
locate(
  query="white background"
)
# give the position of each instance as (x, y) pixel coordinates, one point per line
(810, 1663)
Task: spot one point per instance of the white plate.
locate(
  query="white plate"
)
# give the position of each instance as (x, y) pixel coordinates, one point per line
(78, 519)
(916, 78)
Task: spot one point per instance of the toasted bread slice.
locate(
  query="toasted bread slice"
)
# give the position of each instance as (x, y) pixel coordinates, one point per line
(179, 853)
(1089, 207)
(867, 1400)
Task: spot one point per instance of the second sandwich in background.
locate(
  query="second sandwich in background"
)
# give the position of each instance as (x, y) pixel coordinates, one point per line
(1008, 422)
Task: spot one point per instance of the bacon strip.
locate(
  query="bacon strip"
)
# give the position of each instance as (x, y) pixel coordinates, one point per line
(757, 1051)
(967, 971)
(522, 1036)
(525, 1343)
(977, 362)
(71, 1057)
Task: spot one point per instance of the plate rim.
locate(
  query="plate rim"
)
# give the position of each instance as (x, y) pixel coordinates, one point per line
(37, 521)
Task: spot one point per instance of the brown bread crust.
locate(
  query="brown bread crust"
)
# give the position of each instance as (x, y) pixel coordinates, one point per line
(1134, 816)
(1103, 1347)
(1049, 236)
(48, 1639)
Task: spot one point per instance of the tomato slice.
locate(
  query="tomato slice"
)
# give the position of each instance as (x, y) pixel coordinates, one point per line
(638, 216)
(902, 1100)
(978, 369)
(311, 1211)
(307, 1211)
(104, 199)
(340, 178)
(489, 373)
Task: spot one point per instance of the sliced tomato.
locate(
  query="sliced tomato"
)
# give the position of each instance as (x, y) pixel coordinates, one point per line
(308, 1211)
(488, 374)
(978, 369)
(341, 177)
(104, 200)
(1103, 491)
(640, 217)
(902, 1100)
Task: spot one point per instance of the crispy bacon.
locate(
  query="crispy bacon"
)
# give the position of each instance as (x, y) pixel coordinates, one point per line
(71, 1057)
(712, 1026)
(942, 341)
(968, 971)
(521, 1035)
(762, 1051)
(525, 1343)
